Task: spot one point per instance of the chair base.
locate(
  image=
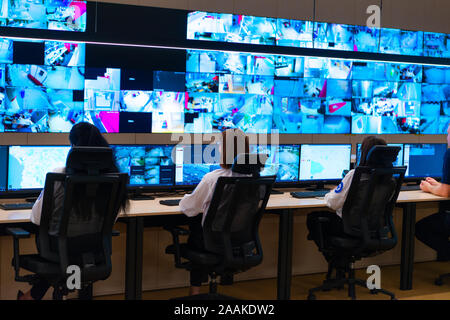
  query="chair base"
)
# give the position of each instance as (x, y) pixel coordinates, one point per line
(440, 280)
(339, 283)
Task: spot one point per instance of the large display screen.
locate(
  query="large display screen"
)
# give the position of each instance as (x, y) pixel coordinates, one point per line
(424, 160)
(192, 162)
(147, 165)
(227, 27)
(65, 15)
(283, 161)
(29, 165)
(324, 162)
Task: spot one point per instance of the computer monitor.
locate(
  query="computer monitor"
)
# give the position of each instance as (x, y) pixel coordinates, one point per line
(283, 161)
(322, 163)
(424, 160)
(3, 168)
(29, 165)
(149, 166)
(192, 162)
(397, 163)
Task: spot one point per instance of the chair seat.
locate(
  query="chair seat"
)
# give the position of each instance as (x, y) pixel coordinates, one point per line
(345, 243)
(34, 263)
(195, 256)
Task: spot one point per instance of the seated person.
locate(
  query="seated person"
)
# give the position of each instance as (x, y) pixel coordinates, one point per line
(434, 230)
(82, 135)
(199, 200)
(335, 199)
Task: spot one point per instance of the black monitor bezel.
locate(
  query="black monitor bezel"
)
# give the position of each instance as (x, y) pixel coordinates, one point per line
(418, 178)
(323, 181)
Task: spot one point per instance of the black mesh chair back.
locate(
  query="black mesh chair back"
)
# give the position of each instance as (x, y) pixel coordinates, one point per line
(367, 212)
(79, 211)
(231, 225)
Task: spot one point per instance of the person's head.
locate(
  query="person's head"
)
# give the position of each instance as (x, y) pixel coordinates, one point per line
(367, 144)
(84, 134)
(234, 142)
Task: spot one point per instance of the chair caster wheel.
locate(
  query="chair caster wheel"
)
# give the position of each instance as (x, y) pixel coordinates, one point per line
(438, 282)
(393, 298)
(311, 297)
(373, 292)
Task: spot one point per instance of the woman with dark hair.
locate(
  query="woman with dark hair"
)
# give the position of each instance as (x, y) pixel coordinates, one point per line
(82, 135)
(233, 142)
(335, 199)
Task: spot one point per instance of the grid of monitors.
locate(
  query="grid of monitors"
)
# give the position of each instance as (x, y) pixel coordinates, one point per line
(220, 90)
(45, 97)
(260, 93)
(422, 160)
(147, 165)
(324, 162)
(25, 167)
(66, 15)
(226, 27)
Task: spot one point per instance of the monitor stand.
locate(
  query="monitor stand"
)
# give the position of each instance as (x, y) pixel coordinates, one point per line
(140, 196)
(320, 186)
(413, 183)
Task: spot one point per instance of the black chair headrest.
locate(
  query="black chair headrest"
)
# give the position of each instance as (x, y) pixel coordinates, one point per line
(382, 156)
(90, 160)
(249, 163)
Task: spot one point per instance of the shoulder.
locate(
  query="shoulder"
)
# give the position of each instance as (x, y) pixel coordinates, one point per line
(214, 175)
(447, 154)
(350, 174)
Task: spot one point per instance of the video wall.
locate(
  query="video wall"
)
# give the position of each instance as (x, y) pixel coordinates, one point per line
(218, 90)
(48, 86)
(258, 93)
(226, 27)
(63, 15)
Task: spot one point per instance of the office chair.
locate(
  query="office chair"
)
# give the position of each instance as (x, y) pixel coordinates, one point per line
(367, 221)
(230, 229)
(440, 280)
(78, 213)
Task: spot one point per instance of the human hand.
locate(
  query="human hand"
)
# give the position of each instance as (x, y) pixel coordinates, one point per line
(425, 186)
(432, 181)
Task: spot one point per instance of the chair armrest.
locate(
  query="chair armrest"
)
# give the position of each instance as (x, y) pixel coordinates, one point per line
(177, 230)
(115, 233)
(321, 221)
(176, 233)
(18, 233)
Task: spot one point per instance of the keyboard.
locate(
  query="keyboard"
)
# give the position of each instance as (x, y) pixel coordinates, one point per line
(16, 206)
(309, 194)
(410, 188)
(170, 202)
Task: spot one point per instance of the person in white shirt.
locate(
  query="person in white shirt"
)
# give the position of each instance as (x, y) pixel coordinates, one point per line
(199, 200)
(82, 134)
(335, 199)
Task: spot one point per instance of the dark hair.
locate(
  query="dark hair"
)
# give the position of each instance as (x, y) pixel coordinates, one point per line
(367, 144)
(232, 140)
(84, 134)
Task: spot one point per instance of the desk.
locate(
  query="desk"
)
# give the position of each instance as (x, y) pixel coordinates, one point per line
(283, 205)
